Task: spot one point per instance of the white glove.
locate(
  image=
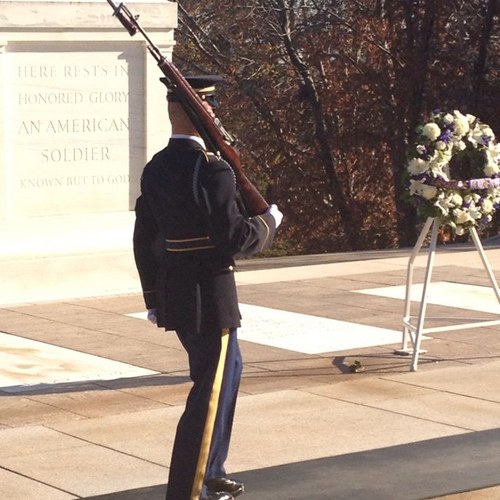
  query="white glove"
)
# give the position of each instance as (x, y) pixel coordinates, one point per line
(273, 210)
(152, 316)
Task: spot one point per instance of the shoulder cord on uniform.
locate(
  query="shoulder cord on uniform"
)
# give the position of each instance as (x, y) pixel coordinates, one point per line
(196, 175)
(239, 197)
(204, 203)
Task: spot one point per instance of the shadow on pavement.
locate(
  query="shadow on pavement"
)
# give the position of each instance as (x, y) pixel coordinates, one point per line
(415, 471)
(93, 385)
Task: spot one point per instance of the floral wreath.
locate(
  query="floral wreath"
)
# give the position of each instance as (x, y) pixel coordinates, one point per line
(464, 145)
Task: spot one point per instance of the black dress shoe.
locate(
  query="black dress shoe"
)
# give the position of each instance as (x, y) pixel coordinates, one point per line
(219, 495)
(219, 484)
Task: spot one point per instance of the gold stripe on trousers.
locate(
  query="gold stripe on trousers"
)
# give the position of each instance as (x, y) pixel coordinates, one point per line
(213, 405)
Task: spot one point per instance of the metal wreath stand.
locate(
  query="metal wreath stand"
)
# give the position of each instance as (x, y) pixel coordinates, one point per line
(413, 332)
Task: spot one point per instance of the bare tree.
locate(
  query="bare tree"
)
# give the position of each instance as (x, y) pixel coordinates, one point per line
(326, 94)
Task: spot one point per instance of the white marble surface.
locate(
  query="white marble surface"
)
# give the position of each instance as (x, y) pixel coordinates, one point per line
(25, 363)
(308, 334)
(305, 333)
(445, 293)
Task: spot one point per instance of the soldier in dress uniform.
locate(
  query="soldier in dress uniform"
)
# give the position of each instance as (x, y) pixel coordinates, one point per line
(189, 227)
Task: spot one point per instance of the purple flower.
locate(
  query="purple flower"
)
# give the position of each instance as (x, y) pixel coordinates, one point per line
(485, 221)
(446, 136)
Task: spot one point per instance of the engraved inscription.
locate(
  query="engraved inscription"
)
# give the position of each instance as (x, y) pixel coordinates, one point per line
(76, 180)
(95, 153)
(69, 131)
(73, 126)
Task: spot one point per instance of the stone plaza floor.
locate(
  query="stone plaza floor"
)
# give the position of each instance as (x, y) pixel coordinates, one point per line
(90, 392)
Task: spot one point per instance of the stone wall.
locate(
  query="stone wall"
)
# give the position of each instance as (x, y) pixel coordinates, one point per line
(82, 111)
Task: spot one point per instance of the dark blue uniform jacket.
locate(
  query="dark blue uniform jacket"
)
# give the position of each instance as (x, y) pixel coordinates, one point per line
(188, 229)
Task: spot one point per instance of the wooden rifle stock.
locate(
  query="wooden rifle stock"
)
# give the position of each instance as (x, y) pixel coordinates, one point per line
(217, 139)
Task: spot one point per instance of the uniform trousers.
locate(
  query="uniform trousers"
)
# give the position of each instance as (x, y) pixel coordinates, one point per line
(204, 431)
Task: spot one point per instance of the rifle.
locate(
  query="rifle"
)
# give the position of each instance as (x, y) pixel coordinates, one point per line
(217, 139)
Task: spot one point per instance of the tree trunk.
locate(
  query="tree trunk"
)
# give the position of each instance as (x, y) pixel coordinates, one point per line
(480, 67)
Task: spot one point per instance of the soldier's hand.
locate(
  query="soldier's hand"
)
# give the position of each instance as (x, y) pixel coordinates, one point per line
(278, 216)
(152, 316)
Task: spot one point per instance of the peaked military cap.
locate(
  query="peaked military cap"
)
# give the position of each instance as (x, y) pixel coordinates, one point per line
(204, 85)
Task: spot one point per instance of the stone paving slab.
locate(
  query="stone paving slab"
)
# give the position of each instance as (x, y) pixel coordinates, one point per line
(318, 426)
(86, 470)
(478, 382)
(425, 404)
(16, 486)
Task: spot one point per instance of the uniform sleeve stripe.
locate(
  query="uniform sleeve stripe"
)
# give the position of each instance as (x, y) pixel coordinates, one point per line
(268, 231)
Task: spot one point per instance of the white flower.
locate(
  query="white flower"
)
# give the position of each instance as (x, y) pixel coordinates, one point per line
(471, 198)
(461, 124)
(421, 189)
(417, 166)
(432, 131)
(438, 162)
(444, 206)
(459, 230)
(446, 201)
(487, 206)
(457, 200)
(441, 145)
(428, 192)
(475, 212)
(487, 132)
(481, 135)
(448, 118)
(490, 169)
(461, 216)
